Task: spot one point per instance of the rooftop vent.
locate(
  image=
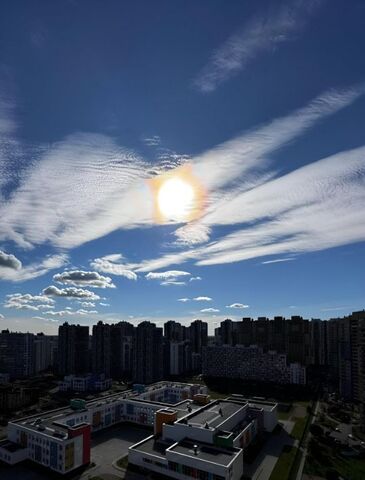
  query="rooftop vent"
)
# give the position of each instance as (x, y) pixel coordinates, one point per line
(195, 449)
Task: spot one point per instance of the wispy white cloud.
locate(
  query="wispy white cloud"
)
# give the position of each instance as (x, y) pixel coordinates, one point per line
(195, 279)
(28, 272)
(168, 275)
(67, 312)
(107, 184)
(167, 283)
(237, 305)
(278, 260)
(86, 179)
(263, 33)
(333, 309)
(183, 300)
(209, 310)
(152, 141)
(80, 278)
(114, 265)
(202, 299)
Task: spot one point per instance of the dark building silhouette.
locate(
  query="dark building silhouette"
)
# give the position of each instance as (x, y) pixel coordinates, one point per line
(16, 354)
(148, 353)
(73, 349)
(174, 331)
(122, 335)
(101, 349)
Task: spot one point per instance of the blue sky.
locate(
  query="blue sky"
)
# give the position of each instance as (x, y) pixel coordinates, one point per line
(258, 106)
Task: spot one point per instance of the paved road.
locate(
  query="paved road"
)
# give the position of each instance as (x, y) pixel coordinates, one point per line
(304, 447)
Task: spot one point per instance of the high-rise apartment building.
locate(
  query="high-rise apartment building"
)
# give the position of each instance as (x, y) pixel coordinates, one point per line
(147, 353)
(251, 363)
(73, 349)
(122, 335)
(45, 351)
(101, 349)
(16, 354)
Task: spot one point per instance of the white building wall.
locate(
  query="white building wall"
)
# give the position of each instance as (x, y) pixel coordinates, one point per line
(179, 431)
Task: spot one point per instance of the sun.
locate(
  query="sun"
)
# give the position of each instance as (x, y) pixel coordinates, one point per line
(178, 195)
(175, 199)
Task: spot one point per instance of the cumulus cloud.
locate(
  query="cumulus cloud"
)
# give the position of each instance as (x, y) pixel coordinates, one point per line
(114, 265)
(70, 292)
(89, 304)
(209, 310)
(27, 301)
(261, 34)
(7, 260)
(202, 299)
(80, 278)
(237, 305)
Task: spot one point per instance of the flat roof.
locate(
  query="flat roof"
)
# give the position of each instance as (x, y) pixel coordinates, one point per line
(214, 414)
(205, 451)
(264, 404)
(44, 422)
(154, 446)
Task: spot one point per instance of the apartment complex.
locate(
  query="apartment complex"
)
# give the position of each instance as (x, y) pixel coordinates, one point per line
(73, 349)
(251, 363)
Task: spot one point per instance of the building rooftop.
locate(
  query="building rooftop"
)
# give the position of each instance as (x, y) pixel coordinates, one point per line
(52, 421)
(214, 414)
(206, 452)
(154, 446)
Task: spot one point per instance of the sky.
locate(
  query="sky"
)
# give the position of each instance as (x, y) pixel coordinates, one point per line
(180, 160)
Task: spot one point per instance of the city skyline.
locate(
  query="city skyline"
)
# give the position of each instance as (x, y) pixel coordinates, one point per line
(183, 163)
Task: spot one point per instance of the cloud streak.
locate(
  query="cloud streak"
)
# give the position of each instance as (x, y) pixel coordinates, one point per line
(263, 33)
(33, 270)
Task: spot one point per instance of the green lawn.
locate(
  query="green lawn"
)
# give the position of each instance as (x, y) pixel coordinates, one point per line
(353, 469)
(284, 464)
(299, 427)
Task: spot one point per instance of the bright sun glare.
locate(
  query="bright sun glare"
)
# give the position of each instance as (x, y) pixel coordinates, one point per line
(175, 199)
